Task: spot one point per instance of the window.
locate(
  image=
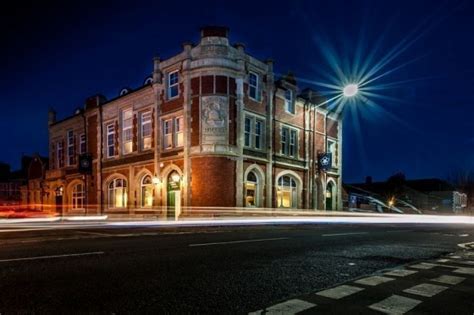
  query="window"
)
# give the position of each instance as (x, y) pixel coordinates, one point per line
(110, 140)
(253, 133)
(289, 142)
(248, 131)
(167, 134)
(289, 103)
(117, 193)
(127, 131)
(178, 129)
(60, 154)
(78, 197)
(82, 144)
(287, 192)
(173, 89)
(331, 148)
(146, 200)
(70, 148)
(253, 86)
(251, 191)
(146, 131)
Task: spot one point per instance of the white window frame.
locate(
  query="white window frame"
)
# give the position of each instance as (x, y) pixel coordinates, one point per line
(77, 196)
(172, 85)
(82, 143)
(290, 106)
(145, 120)
(167, 134)
(284, 140)
(256, 86)
(292, 190)
(259, 135)
(293, 143)
(110, 129)
(331, 148)
(127, 131)
(178, 132)
(250, 133)
(70, 148)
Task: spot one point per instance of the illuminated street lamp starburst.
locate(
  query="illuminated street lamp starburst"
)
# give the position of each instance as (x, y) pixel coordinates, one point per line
(350, 90)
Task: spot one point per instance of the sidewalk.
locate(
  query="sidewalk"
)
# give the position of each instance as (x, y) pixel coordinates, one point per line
(440, 286)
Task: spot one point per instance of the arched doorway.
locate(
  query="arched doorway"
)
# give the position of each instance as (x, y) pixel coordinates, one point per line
(287, 192)
(331, 196)
(251, 190)
(146, 192)
(173, 198)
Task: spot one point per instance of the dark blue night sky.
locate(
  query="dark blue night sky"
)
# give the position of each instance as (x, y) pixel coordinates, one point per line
(55, 54)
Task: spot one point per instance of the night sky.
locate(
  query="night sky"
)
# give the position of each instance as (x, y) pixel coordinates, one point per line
(57, 54)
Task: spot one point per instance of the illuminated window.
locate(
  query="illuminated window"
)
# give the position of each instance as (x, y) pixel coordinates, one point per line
(110, 140)
(146, 131)
(78, 196)
(289, 102)
(167, 134)
(82, 144)
(178, 129)
(117, 193)
(127, 131)
(173, 89)
(253, 86)
(287, 192)
(331, 148)
(251, 190)
(70, 148)
(146, 192)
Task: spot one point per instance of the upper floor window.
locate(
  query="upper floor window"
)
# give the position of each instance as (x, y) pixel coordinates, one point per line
(178, 132)
(289, 141)
(253, 132)
(173, 90)
(289, 102)
(146, 131)
(253, 86)
(110, 140)
(70, 148)
(82, 144)
(331, 148)
(60, 154)
(127, 131)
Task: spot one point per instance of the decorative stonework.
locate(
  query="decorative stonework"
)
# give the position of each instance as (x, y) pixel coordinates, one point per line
(214, 120)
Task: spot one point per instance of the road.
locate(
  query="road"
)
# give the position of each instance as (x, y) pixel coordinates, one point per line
(219, 269)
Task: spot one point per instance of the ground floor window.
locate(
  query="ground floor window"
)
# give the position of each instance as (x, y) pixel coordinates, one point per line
(287, 192)
(78, 197)
(146, 192)
(117, 193)
(251, 190)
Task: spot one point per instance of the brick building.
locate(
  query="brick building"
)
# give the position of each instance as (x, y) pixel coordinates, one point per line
(211, 127)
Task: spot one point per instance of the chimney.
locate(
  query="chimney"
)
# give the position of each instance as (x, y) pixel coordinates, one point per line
(214, 31)
(94, 101)
(51, 116)
(156, 69)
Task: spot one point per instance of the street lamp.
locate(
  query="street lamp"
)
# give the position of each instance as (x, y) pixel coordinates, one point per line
(350, 90)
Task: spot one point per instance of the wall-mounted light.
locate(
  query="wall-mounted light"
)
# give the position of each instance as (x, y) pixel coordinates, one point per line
(155, 180)
(175, 177)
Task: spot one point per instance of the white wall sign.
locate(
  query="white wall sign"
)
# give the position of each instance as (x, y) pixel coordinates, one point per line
(214, 120)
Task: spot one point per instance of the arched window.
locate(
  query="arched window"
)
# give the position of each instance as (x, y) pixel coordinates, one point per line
(146, 192)
(118, 193)
(78, 197)
(331, 197)
(287, 192)
(251, 190)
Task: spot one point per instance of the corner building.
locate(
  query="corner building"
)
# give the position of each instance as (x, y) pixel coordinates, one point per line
(212, 127)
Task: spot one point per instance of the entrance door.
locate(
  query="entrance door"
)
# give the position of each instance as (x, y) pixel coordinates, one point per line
(171, 204)
(329, 196)
(173, 196)
(59, 200)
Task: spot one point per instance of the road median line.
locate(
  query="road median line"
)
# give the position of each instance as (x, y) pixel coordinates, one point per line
(50, 257)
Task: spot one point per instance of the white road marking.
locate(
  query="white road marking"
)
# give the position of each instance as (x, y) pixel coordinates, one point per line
(443, 260)
(240, 241)
(339, 292)
(455, 257)
(374, 280)
(426, 289)
(50, 256)
(343, 234)
(395, 305)
(453, 280)
(465, 271)
(400, 272)
(94, 233)
(289, 307)
(424, 266)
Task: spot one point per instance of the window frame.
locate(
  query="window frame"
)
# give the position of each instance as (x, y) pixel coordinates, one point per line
(126, 129)
(170, 85)
(255, 86)
(143, 123)
(110, 131)
(332, 151)
(178, 131)
(59, 154)
(70, 148)
(167, 133)
(77, 195)
(251, 134)
(290, 105)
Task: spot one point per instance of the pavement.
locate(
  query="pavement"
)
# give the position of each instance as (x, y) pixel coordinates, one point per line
(93, 267)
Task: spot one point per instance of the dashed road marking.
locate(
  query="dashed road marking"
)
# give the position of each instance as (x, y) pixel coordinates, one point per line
(465, 271)
(339, 292)
(426, 289)
(289, 307)
(343, 234)
(453, 280)
(50, 256)
(374, 280)
(443, 260)
(395, 305)
(239, 241)
(423, 266)
(400, 272)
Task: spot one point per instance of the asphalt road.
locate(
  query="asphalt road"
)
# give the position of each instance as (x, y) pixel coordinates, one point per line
(234, 269)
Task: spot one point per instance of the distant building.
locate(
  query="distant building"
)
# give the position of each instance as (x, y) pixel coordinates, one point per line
(211, 127)
(428, 195)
